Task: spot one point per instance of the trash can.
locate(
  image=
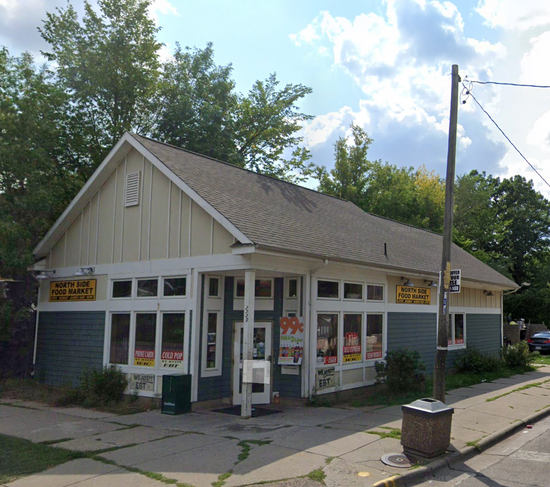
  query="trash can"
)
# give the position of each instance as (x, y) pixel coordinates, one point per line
(426, 428)
(176, 394)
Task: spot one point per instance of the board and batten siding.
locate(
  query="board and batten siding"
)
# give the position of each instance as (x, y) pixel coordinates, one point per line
(483, 332)
(165, 224)
(69, 343)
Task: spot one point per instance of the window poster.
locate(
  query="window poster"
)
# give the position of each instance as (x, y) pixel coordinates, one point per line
(291, 345)
(326, 378)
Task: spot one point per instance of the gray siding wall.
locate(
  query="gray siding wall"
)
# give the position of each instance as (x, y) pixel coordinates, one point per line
(483, 332)
(416, 331)
(220, 386)
(68, 343)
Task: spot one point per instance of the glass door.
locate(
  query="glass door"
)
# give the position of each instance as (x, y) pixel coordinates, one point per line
(261, 387)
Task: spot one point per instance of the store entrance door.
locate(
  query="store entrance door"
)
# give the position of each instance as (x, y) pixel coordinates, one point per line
(261, 391)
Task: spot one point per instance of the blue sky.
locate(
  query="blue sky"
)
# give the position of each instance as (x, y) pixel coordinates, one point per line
(384, 65)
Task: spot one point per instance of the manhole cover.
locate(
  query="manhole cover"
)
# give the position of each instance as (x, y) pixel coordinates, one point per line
(396, 460)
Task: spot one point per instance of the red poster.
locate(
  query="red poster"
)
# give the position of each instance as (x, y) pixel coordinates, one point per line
(373, 355)
(331, 360)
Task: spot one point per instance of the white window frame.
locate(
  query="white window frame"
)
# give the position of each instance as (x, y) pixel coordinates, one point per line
(182, 296)
(362, 334)
(452, 345)
(287, 288)
(370, 361)
(130, 338)
(219, 295)
(340, 289)
(112, 288)
(383, 286)
(217, 370)
(338, 336)
(363, 291)
(159, 365)
(272, 280)
(135, 285)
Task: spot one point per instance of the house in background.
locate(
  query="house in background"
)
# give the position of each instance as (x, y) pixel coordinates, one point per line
(146, 270)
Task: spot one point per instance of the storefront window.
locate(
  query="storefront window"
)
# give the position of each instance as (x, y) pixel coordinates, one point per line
(353, 291)
(352, 337)
(120, 338)
(375, 293)
(147, 288)
(144, 354)
(327, 339)
(174, 286)
(122, 289)
(457, 331)
(328, 289)
(375, 324)
(173, 325)
(211, 342)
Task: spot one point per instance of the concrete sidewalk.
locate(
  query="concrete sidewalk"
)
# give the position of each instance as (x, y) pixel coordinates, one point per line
(203, 448)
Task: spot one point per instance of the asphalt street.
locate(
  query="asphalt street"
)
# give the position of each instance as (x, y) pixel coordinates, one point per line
(519, 461)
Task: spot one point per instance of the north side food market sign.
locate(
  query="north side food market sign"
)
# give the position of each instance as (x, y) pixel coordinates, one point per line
(78, 290)
(413, 295)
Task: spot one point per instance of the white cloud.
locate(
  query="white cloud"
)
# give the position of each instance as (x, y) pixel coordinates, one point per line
(162, 7)
(534, 64)
(514, 14)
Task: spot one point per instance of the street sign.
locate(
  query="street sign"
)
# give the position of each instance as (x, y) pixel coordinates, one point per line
(454, 286)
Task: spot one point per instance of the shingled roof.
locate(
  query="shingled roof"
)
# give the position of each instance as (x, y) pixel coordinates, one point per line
(278, 215)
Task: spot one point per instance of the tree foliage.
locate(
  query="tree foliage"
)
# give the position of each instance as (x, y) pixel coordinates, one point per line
(405, 194)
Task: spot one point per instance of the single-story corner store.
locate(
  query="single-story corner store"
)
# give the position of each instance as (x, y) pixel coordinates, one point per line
(146, 269)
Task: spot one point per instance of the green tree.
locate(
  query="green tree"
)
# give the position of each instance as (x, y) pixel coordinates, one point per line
(109, 64)
(197, 104)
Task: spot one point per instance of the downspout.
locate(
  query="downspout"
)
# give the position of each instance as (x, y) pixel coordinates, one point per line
(36, 331)
(313, 337)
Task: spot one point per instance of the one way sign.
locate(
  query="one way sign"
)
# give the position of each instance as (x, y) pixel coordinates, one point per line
(454, 286)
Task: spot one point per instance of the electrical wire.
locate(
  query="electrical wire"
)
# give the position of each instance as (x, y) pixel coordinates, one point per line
(505, 84)
(468, 92)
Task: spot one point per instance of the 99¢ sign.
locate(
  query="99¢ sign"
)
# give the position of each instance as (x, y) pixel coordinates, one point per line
(291, 347)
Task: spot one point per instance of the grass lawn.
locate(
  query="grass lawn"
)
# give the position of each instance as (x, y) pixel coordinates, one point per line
(542, 360)
(378, 395)
(22, 457)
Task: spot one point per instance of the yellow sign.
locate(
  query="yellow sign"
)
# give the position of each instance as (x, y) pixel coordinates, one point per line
(78, 290)
(413, 295)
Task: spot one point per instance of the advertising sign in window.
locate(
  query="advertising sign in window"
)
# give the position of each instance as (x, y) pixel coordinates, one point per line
(291, 346)
(352, 338)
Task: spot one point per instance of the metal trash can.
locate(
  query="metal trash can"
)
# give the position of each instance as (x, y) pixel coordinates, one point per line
(176, 394)
(426, 428)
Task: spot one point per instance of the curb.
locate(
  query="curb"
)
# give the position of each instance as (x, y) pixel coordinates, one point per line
(426, 472)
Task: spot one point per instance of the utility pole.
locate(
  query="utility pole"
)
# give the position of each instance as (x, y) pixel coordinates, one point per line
(445, 277)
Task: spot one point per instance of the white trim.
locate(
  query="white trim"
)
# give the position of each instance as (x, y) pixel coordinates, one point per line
(194, 308)
(477, 311)
(340, 289)
(410, 308)
(217, 369)
(357, 300)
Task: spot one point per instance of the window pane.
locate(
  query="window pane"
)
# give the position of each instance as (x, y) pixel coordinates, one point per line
(293, 288)
(174, 286)
(211, 344)
(375, 293)
(459, 329)
(173, 325)
(327, 339)
(120, 338)
(147, 288)
(214, 287)
(352, 337)
(328, 289)
(239, 288)
(122, 289)
(263, 288)
(374, 336)
(144, 353)
(353, 291)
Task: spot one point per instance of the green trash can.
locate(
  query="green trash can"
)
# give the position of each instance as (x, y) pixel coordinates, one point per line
(176, 394)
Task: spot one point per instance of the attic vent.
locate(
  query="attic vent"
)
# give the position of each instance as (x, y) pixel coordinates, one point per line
(132, 189)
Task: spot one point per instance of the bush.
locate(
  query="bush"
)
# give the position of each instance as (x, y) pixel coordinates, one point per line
(472, 361)
(403, 371)
(518, 355)
(103, 385)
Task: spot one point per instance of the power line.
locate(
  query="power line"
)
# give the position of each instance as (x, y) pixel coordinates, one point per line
(469, 93)
(505, 84)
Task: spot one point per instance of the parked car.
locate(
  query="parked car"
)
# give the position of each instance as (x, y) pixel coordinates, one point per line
(539, 342)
